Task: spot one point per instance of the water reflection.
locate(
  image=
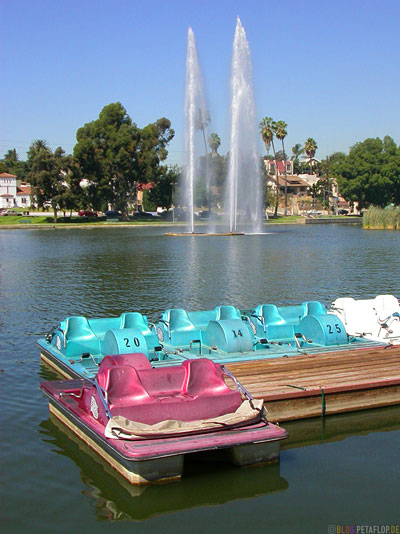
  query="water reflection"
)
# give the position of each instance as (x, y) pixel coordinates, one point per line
(319, 430)
(207, 483)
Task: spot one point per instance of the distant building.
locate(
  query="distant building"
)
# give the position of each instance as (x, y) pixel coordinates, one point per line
(12, 195)
(272, 165)
(141, 188)
(295, 184)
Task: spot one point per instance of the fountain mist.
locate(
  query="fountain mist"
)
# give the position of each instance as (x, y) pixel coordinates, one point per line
(196, 121)
(243, 187)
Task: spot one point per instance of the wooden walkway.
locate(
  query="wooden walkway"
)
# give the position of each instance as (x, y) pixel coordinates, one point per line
(303, 386)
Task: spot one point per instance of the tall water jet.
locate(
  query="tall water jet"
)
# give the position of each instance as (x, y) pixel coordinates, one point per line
(243, 188)
(196, 121)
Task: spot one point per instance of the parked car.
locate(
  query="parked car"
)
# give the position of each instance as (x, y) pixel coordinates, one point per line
(112, 214)
(10, 212)
(343, 212)
(87, 213)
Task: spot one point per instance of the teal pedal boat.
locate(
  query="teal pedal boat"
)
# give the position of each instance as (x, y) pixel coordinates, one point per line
(76, 347)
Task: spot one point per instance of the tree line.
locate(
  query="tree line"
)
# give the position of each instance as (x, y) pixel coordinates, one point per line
(113, 157)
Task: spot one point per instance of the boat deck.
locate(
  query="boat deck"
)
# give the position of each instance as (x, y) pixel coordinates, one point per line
(317, 384)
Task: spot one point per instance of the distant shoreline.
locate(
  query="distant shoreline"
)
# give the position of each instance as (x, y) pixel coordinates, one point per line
(27, 225)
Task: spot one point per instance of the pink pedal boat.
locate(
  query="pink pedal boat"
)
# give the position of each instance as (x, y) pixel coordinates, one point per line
(144, 420)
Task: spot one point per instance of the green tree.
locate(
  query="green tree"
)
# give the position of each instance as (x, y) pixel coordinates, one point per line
(281, 133)
(297, 151)
(162, 193)
(47, 174)
(13, 165)
(214, 142)
(115, 156)
(370, 173)
(310, 148)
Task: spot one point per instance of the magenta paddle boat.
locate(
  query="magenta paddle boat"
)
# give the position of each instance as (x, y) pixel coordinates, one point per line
(144, 420)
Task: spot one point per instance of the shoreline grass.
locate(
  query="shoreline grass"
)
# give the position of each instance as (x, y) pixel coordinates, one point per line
(381, 219)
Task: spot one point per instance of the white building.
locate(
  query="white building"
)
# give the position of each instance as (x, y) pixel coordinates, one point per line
(12, 195)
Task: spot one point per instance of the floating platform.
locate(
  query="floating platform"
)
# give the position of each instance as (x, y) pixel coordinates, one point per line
(321, 384)
(202, 234)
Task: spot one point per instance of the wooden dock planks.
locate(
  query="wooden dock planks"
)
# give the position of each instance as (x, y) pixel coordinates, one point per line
(303, 386)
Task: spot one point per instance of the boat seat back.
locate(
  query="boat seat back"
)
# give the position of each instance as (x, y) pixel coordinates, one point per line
(78, 327)
(163, 382)
(200, 319)
(280, 333)
(386, 305)
(293, 314)
(314, 307)
(192, 391)
(80, 337)
(202, 377)
(100, 325)
(358, 316)
(124, 387)
(137, 360)
(179, 331)
(227, 312)
(179, 320)
(135, 320)
(270, 313)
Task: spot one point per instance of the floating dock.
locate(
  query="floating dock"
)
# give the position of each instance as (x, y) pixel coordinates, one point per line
(322, 384)
(202, 234)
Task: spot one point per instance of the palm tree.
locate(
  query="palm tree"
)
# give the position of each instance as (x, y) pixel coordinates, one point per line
(213, 142)
(281, 133)
(36, 146)
(202, 120)
(267, 134)
(297, 151)
(310, 147)
(267, 128)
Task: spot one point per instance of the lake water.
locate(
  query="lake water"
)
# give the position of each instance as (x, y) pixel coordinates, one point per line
(343, 470)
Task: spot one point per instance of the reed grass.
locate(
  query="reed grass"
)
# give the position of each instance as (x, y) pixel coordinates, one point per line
(381, 219)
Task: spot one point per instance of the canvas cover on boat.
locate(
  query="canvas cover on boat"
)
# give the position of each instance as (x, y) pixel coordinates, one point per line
(118, 427)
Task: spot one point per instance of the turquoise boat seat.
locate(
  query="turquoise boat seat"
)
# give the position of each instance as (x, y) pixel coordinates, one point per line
(137, 321)
(79, 337)
(269, 314)
(281, 333)
(102, 324)
(200, 319)
(314, 307)
(227, 312)
(178, 327)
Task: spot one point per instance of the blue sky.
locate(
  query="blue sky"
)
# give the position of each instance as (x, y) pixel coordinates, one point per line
(330, 69)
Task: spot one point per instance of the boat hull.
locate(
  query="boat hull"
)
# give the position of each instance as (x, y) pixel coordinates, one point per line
(162, 460)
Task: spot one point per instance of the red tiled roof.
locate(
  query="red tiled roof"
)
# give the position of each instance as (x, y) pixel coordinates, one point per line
(143, 187)
(7, 196)
(7, 175)
(23, 190)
